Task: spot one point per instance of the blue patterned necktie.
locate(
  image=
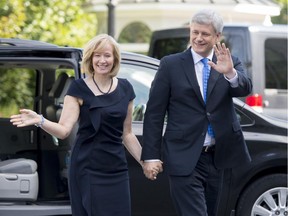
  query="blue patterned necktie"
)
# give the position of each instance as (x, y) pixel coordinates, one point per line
(206, 74)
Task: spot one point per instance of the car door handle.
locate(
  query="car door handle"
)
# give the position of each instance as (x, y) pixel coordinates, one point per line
(11, 177)
(31, 136)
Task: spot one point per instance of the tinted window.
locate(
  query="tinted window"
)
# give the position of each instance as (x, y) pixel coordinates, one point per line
(235, 43)
(233, 40)
(173, 45)
(276, 63)
(245, 121)
(168, 46)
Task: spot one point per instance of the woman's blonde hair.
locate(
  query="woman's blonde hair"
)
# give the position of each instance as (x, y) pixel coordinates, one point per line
(97, 44)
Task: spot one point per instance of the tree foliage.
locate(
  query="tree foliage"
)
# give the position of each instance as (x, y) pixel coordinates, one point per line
(21, 81)
(135, 32)
(55, 21)
(283, 17)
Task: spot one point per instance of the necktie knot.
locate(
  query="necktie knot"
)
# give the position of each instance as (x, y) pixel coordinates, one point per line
(205, 61)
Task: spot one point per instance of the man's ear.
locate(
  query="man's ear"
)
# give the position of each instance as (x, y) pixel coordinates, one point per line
(219, 37)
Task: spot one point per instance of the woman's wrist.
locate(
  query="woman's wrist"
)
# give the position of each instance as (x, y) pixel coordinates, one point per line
(41, 122)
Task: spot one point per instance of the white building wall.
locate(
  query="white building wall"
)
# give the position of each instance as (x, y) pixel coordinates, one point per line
(174, 13)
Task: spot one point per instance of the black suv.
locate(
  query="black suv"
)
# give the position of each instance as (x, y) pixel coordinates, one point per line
(33, 164)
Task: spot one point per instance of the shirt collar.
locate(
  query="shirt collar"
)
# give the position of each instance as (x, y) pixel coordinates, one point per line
(197, 57)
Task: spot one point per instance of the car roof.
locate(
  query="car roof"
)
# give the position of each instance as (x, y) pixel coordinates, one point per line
(183, 30)
(24, 44)
(139, 58)
(30, 50)
(16, 42)
(33, 45)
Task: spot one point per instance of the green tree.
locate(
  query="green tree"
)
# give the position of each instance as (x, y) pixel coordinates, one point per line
(283, 17)
(11, 23)
(136, 32)
(23, 88)
(55, 21)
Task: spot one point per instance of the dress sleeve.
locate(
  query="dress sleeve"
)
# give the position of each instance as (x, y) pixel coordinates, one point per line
(75, 89)
(130, 91)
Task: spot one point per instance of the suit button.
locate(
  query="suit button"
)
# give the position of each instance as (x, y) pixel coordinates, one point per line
(208, 114)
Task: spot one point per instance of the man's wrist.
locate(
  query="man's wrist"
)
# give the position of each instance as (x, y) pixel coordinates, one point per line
(231, 75)
(234, 82)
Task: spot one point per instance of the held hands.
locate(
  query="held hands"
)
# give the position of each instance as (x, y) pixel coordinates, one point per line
(25, 118)
(152, 168)
(224, 63)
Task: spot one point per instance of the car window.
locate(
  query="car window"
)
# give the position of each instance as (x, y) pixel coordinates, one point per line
(140, 78)
(245, 120)
(173, 45)
(235, 43)
(17, 90)
(276, 63)
(167, 46)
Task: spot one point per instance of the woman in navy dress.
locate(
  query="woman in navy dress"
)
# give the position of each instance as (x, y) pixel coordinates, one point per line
(103, 105)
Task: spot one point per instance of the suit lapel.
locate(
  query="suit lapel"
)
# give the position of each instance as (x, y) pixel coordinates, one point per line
(189, 69)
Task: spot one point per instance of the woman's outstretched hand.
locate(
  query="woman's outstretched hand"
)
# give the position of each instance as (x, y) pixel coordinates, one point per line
(25, 118)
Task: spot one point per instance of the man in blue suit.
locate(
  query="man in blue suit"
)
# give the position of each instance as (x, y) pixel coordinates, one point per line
(203, 135)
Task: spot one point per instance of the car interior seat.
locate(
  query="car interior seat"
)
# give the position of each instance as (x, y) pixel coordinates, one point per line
(138, 112)
(55, 94)
(60, 99)
(18, 180)
(53, 112)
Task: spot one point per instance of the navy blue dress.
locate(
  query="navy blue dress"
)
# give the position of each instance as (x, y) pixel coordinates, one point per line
(98, 172)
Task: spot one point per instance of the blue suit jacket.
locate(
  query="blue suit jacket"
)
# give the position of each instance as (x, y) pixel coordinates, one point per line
(175, 92)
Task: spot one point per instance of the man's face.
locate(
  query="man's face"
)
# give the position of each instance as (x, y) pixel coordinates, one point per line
(203, 38)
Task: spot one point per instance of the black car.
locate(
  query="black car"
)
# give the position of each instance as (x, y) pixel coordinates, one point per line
(33, 164)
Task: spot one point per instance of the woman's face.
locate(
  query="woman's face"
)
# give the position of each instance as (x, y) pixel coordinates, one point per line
(103, 60)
